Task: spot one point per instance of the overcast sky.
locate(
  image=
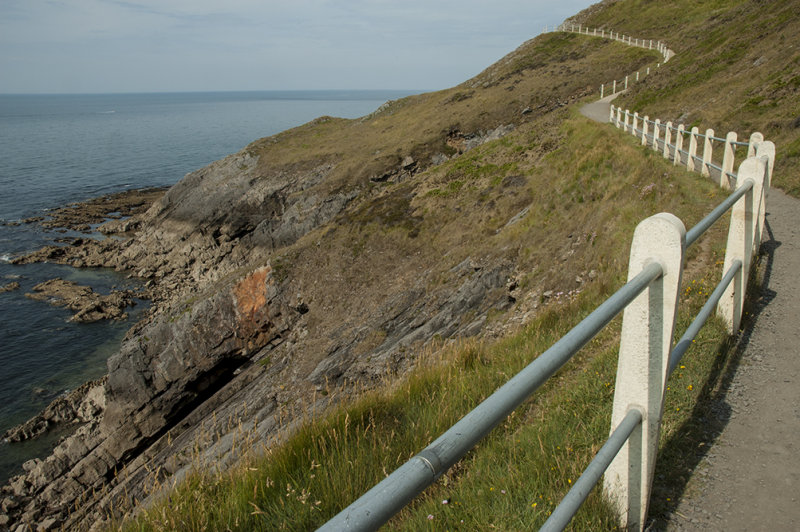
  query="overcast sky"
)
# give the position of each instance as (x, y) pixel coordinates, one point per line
(56, 46)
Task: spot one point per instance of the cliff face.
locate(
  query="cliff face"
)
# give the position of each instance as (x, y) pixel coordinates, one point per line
(313, 262)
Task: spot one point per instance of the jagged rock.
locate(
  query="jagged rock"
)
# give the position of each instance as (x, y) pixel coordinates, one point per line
(85, 403)
(9, 287)
(87, 305)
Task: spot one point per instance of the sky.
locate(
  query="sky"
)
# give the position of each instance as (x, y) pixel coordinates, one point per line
(98, 46)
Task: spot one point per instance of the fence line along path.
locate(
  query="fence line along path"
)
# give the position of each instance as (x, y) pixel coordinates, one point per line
(747, 475)
(748, 478)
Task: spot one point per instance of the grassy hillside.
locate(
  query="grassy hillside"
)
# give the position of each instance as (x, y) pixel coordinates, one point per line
(520, 472)
(585, 187)
(737, 68)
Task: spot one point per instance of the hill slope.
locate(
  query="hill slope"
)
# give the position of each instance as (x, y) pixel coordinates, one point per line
(325, 258)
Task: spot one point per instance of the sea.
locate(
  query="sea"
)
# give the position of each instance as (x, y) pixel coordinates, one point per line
(58, 149)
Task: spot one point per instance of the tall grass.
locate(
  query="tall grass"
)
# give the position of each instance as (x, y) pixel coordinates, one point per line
(511, 481)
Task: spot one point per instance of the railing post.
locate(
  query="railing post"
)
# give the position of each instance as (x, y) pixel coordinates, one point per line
(619, 117)
(611, 114)
(667, 139)
(645, 125)
(678, 145)
(766, 149)
(656, 133)
(627, 118)
(626, 82)
(707, 152)
(755, 139)
(635, 123)
(648, 71)
(741, 239)
(727, 160)
(601, 90)
(647, 328)
(692, 148)
(637, 75)
(614, 90)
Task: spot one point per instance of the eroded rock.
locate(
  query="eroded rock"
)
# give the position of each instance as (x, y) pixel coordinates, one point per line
(88, 305)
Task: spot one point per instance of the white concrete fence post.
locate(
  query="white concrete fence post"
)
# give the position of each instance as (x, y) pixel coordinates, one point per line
(635, 123)
(637, 75)
(601, 90)
(765, 149)
(678, 145)
(611, 114)
(648, 71)
(727, 160)
(645, 125)
(656, 133)
(755, 139)
(667, 139)
(626, 82)
(614, 89)
(741, 239)
(707, 152)
(619, 117)
(692, 148)
(648, 324)
(627, 119)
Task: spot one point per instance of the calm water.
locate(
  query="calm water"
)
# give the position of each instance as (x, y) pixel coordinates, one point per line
(55, 149)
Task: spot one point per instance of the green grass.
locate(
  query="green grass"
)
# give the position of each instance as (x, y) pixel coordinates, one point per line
(511, 481)
(517, 475)
(733, 70)
(586, 187)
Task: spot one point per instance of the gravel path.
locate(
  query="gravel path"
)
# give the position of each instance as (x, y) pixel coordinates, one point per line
(748, 475)
(598, 111)
(749, 478)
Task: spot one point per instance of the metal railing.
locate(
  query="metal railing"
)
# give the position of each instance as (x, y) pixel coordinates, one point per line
(722, 172)
(650, 44)
(649, 302)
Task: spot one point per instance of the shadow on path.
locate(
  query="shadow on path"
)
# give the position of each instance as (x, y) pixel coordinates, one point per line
(693, 441)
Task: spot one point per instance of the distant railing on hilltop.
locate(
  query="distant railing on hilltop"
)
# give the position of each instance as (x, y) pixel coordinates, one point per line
(646, 355)
(603, 33)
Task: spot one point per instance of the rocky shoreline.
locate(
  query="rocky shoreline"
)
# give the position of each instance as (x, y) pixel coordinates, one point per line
(231, 344)
(308, 266)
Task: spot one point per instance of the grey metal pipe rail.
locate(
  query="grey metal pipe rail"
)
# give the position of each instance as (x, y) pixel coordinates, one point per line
(691, 332)
(391, 494)
(573, 500)
(570, 504)
(740, 143)
(702, 226)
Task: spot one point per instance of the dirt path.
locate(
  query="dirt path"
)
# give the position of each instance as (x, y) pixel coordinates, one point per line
(749, 479)
(748, 472)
